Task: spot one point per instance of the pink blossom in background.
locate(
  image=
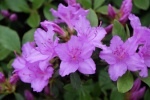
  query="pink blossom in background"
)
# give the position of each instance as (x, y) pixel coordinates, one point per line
(2, 77)
(71, 2)
(137, 92)
(69, 14)
(35, 72)
(5, 13)
(14, 79)
(13, 17)
(48, 24)
(122, 57)
(91, 35)
(28, 95)
(46, 43)
(75, 55)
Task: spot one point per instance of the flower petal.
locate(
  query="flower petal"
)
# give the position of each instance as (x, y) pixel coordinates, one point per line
(117, 70)
(87, 66)
(67, 67)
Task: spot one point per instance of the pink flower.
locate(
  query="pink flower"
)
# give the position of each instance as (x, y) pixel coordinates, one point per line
(36, 72)
(46, 43)
(75, 55)
(48, 24)
(137, 92)
(13, 79)
(71, 2)
(69, 14)
(123, 13)
(2, 77)
(91, 35)
(122, 57)
(5, 13)
(28, 95)
(13, 17)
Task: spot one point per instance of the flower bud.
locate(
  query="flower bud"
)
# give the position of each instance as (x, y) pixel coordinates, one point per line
(13, 17)
(2, 77)
(13, 79)
(111, 11)
(28, 95)
(5, 13)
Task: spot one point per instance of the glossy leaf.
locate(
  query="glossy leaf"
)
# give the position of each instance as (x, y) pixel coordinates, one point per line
(28, 36)
(92, 17)
(125, 82)
(9, 39)
(142, 4)
(3, 52)
(48, 15)
(98, 3)
(18, 5)
(37, 3)
(103, 10)
(34, 19)
(118, 29)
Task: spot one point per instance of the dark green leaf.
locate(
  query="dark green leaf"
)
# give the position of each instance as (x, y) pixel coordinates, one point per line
(34, 19)
(92, 17)
(118, 29)
(115, 94)
(147, 79)
(125, 82)
(28, 36)
(18, 96)
(147, 95)
(47, 13)
(142, 4)
(127, 31)
(37, 3)
(85, 3)
(18, 5)
(3, 52)
(75, 80)
(2, 96)
(9, 65)
(103, 10)
(98, 3)
(145, 19)
(9, 39)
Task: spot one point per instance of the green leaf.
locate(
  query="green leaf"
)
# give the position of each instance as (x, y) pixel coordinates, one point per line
(85, 3)
(142, 4)
(118, 29)
(47, 13)
(85, 96)
(75, 80)
(103, 10)
(3, 52)
(9, 65)
(98, 3)
(9, 39)
(125, 82)
(18, 5)
(18, 96)
(28, 36)
(2, 96)
(34, 20)
(147, 95)
(115, 94)
(147, 79)
(37, 3)
(145, 19)
(127, 31)
(92, 17)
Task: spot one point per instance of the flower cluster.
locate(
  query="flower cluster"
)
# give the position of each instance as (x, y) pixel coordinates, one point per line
(74, 49)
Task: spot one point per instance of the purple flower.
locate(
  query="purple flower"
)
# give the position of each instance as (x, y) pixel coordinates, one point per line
(28, 95)
(111, 11)
(5, 13)
(122, 57)
(46, 42)
(13, 17)
(137, 92)
(2, 77)
(46, 24)
(91, 35)
(123, 13)
(69, 14)
(14, 78)
(75, 55)
(70, 2)
(35, 72)
(140, 33)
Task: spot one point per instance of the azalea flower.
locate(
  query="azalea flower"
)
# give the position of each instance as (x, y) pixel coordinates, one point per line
(122, 57)
(75, 55)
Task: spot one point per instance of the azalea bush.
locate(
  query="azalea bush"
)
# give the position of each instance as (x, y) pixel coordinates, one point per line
(74, 50)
